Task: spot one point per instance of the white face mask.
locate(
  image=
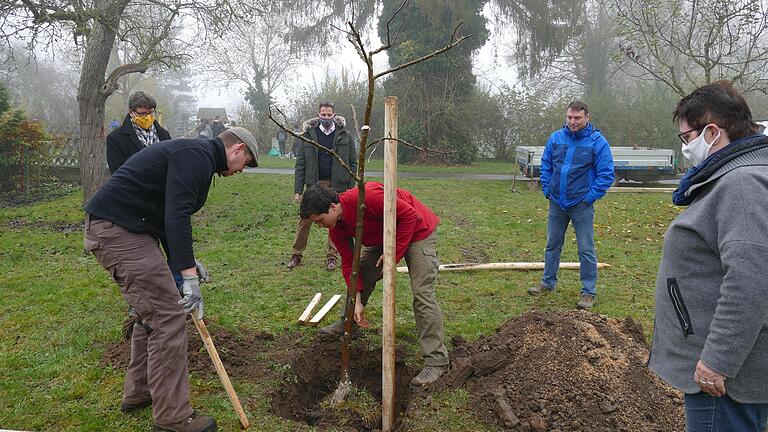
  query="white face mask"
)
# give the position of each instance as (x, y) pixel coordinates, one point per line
(698, 149)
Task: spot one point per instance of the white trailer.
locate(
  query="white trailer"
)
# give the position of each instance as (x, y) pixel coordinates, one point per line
(637, 164)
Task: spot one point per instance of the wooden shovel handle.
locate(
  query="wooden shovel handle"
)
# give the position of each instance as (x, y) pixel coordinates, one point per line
(221, 371)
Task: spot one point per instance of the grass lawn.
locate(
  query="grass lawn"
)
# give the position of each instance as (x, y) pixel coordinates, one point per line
(481, 167)
(59, 308)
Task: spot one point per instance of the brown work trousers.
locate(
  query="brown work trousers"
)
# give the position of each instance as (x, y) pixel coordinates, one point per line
(422, 262)
(158, 365)
(302, 234)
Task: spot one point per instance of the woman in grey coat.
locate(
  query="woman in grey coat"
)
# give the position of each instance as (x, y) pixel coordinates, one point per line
(711, 328)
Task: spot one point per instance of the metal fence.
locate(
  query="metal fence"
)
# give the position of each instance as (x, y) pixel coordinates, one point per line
(66, 155)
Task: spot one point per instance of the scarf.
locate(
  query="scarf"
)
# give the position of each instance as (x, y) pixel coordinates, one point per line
(685, 194)
(146, 137)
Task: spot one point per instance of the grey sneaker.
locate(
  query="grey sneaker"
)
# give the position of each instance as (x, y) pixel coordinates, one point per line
(586, 301)
(335, 329)
(428, 375)
(540, 288)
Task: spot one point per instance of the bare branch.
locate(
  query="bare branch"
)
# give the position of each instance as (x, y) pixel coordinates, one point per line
(452, 44)
(388, 45)
(110, 85)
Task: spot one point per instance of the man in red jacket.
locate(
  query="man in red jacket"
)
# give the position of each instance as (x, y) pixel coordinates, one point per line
(416, 241)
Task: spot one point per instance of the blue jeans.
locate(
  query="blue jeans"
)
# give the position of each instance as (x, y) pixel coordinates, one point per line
(704, 413)
(582, 215)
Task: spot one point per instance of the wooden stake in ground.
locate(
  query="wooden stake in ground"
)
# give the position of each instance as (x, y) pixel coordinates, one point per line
(322, 312)
(390, 226)
(305, 316)
(504, 266)
(208, 342)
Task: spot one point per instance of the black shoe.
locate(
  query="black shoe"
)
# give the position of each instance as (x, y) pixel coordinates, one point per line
(127, 407)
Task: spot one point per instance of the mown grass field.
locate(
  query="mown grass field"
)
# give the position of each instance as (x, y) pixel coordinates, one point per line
(59, 308)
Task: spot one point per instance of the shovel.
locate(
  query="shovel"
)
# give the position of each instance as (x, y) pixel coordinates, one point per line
(220, 370)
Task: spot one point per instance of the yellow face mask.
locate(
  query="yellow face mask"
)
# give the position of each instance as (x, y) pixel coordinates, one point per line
(144, 122)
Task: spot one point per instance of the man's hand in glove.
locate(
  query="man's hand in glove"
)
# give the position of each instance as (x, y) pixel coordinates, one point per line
(202, 272)
(192, 302)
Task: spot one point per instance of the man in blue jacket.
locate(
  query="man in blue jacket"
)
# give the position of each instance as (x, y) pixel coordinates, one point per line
(576, 171)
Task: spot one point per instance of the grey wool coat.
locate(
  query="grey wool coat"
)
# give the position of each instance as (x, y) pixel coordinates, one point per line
(712, 284)
(307, 171)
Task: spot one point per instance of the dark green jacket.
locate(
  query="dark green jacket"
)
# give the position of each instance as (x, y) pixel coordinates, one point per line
(307, 172)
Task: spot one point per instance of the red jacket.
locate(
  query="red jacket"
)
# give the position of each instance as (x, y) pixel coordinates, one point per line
(415, 222)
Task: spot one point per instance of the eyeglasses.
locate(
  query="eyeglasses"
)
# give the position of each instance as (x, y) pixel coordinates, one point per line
(138, 114)
(684, 135)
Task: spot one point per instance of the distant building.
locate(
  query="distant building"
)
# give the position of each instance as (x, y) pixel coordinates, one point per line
(211, 113)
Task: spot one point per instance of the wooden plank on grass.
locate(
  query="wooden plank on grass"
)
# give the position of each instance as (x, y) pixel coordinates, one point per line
(628, 189)
(321, 313)
(504, 266)
(305, 316)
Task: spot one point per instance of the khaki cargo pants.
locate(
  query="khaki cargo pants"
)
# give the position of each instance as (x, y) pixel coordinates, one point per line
(158, 365)
(421, 258)
(302, 234)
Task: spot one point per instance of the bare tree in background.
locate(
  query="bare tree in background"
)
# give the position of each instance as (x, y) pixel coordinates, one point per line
(253, 49)
(94, 26)
(688, 43)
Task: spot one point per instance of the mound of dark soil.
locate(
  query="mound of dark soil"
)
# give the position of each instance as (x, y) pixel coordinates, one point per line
(571, 371)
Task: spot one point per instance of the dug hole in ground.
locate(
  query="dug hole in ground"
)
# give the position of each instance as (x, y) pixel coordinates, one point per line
(567, 371)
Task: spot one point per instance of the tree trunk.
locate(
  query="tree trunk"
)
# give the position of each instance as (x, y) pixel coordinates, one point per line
(91, 96)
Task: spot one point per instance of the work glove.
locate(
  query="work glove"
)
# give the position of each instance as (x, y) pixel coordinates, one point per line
(192, 302)
(202, 272)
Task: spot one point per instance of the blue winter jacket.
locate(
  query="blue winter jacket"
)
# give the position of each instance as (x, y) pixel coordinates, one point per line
(576, 167)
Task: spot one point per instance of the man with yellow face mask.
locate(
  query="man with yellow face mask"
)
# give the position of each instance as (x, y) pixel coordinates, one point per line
(139, 130)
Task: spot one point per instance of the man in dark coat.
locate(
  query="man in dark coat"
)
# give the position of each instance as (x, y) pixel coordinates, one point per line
(139, 130)
(217, 126)
(149, 200)
(314, 166)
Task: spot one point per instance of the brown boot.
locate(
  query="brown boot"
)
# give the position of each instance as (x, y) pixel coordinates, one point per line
(335, 329)
(196, 423)
(331, 264)
(586, 302)
(294, 262)
(428, 375)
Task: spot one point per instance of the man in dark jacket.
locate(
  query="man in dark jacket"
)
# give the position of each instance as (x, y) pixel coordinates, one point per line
(152, 197)
(314, 166)
(139, 130)
(576, 171)
(217, 126)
